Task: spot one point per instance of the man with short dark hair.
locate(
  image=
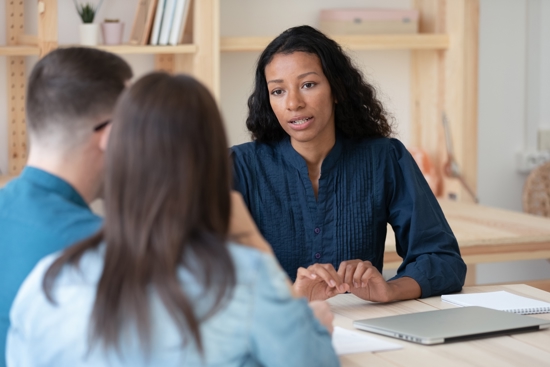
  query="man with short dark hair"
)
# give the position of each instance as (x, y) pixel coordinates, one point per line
(70, 98)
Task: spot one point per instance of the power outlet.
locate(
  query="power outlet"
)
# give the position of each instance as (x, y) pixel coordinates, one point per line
(527, 161)
(544, 139)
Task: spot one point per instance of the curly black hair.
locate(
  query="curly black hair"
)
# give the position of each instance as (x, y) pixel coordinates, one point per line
(358, 113)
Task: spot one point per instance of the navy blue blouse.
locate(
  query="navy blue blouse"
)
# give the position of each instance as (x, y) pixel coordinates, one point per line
(363, 186)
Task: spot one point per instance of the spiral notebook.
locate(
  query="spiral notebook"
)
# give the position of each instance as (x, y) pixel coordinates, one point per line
(502, 301)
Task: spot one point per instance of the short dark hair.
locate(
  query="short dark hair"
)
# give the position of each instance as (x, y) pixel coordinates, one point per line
(167, 205)
(72, 83)
(358, 112)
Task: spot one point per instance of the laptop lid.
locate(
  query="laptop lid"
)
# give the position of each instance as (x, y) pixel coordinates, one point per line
(440, 326)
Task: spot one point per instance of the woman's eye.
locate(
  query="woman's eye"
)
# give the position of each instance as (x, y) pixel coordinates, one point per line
(276, 92)
(308, 85)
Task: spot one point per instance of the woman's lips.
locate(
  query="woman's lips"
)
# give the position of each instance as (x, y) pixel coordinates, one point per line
(300, 123)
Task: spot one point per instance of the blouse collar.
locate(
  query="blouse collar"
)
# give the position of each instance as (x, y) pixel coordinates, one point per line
(298, 162)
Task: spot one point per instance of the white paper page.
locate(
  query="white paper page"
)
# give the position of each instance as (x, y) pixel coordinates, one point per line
(501, 300)
(348, 342)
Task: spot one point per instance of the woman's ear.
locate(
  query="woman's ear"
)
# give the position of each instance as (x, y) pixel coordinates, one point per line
(104, 139)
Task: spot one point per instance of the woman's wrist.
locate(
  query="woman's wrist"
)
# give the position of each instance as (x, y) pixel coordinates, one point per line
(403, 288)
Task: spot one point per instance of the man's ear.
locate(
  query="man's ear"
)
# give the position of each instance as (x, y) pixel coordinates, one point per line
(104, 139)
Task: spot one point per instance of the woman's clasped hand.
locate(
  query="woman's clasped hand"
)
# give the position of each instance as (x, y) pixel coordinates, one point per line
(323, 281)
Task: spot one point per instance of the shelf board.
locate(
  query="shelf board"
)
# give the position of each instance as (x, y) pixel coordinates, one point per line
(148, 49)
(118, 49)
(417, 41)
(19, 50)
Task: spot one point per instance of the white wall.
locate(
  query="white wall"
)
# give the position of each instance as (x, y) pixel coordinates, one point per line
(514, 83)
(514, 90)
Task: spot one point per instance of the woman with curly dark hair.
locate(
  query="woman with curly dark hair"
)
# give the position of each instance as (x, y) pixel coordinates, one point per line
(323, 178)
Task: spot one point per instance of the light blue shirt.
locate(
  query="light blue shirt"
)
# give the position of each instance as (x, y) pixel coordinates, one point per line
(261, 325)
(39, 214)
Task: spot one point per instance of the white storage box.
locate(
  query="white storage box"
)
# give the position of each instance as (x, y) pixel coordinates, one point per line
(368, 21)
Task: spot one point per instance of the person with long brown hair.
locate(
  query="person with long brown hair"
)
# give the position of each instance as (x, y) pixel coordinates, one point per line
(164, 282)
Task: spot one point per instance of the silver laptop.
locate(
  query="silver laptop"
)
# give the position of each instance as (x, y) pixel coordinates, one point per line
(454, 324)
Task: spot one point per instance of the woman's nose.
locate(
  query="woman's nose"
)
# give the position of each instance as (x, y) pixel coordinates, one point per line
(294, 101)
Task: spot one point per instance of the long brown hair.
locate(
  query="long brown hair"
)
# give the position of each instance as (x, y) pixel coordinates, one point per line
(167, 205)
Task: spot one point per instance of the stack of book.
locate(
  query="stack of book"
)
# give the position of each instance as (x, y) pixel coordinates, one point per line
(162, 22)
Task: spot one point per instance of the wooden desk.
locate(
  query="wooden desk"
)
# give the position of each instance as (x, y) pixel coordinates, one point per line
(528, 349)
(487, 234)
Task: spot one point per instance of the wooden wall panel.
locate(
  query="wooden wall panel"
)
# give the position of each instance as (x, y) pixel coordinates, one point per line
(206, 34)
(16, 84)
(447, 82)
(17, 132)
(164, 62)
(461, 82)
(47, 26)
(427, 88)
(471, 87)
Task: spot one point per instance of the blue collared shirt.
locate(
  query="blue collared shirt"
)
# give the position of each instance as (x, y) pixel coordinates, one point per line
(364, 185)
(261, 324)
(39, 214)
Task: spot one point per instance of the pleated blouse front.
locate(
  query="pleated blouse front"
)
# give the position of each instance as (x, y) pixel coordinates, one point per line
(363, 186)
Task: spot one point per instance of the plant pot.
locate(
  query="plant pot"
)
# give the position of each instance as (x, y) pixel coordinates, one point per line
(112, 33)
(89, 34)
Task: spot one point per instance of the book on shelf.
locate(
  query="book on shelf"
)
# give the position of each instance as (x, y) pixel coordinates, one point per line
(143, 21)
(167, 21)
(186, 34)
(154, 40)
(180, 22)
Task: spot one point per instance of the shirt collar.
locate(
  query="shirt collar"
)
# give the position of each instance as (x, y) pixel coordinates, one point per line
(52, 183)
(298, 162)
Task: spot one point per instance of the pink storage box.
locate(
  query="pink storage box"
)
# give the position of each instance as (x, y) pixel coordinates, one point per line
(368, 21)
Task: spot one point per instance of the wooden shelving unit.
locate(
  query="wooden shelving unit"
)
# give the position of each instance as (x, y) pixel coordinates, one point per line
(444, 67)
(446, 81)
(354, 42)
(444, 58)
(118, 49)
(19, 50)
(200, 59)
(150, 50)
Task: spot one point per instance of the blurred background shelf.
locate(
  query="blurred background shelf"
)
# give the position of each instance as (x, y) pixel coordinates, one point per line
(200, 59)
(19, 51)
(146, 50)
(355, 42)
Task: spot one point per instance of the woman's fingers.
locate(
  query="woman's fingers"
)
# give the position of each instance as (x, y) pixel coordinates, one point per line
(305, 273)
(370, 273)
(363, 268)
(351, 271)
(327, 273)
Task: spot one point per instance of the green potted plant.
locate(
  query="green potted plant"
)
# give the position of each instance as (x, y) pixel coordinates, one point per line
(88, 30)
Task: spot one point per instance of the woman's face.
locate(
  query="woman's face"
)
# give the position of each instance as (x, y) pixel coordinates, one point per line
(301, 98)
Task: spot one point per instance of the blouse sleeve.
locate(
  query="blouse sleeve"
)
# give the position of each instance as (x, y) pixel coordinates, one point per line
(423, 237)
(242, 172)
(284, 330)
